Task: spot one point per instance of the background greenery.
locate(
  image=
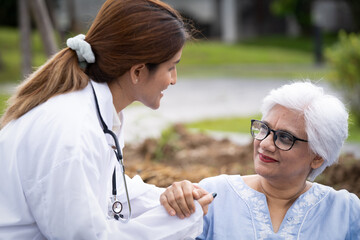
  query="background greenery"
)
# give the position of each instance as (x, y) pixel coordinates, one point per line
(10, 70)
(273, 56)
(344, 58)
(269, 57)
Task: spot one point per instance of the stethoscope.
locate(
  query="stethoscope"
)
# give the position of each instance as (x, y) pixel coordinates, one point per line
(115, 206)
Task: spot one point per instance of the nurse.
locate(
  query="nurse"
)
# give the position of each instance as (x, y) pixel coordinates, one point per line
(56, 163)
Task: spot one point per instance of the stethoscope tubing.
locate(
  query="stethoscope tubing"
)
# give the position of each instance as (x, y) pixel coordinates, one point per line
(119, 157)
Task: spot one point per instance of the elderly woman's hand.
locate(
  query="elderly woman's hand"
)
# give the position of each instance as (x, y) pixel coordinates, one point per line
(179, 199)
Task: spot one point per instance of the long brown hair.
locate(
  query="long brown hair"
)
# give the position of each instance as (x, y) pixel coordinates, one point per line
(124, 33)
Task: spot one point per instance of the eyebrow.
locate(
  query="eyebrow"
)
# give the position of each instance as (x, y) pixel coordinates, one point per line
(176, 62)
(283, 130)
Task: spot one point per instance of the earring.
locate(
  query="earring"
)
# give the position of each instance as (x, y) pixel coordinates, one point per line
(136, 80)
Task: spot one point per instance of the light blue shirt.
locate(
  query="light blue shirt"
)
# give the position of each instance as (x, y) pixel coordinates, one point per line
(240, 212)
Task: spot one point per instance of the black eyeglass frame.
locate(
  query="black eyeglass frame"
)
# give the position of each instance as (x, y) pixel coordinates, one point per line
(275, 135)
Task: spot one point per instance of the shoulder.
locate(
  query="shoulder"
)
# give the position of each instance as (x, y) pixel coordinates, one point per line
(346, 204)
(340, 198)
(342, 195)
(213, 180)
(219, 182)
(73, 106)
(63, 121)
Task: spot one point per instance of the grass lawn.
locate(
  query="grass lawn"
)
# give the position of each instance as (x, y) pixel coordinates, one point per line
(274, 56)
(10, 54)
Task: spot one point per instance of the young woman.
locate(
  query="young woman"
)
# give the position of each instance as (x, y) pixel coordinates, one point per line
(60, 157)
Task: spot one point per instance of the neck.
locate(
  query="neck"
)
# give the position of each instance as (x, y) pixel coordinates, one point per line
(121, 93)
(286, 193)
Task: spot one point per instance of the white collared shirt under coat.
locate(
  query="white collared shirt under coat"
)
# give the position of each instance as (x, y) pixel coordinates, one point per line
(55, 177)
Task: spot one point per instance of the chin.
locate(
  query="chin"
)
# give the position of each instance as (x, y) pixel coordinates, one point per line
(154, 107)
(261, 169)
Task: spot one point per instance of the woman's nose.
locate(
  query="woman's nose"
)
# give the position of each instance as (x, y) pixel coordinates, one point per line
(268, 143)
(173, 77)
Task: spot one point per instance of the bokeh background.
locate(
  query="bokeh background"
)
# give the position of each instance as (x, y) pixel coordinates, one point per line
(249, 46)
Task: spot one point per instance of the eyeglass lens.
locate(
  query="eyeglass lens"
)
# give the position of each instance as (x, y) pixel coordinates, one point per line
(282, 140)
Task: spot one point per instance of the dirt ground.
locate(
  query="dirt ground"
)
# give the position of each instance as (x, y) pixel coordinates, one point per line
(181, 155)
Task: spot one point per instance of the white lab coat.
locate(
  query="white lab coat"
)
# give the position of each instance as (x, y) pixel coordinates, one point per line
(55, 177)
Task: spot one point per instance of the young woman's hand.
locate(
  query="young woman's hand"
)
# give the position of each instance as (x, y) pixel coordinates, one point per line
(178, 199)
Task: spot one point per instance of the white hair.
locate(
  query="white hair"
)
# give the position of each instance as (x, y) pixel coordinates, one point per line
(326, 118)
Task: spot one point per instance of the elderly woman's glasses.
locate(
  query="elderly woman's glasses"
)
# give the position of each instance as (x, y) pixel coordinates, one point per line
(283, 140)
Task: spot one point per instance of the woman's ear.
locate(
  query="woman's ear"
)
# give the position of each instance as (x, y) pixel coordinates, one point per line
(317, 162)
(136, 72)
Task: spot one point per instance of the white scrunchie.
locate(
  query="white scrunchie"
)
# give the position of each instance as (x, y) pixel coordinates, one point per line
(82, 48)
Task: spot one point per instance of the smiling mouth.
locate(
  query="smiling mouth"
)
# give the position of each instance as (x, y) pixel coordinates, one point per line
(266, 159)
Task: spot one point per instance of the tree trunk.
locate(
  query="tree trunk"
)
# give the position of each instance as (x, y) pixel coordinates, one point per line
(25, 36)
(44, 25)
(72, 15)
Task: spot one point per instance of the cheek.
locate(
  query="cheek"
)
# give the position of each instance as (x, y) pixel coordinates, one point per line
(256, 147)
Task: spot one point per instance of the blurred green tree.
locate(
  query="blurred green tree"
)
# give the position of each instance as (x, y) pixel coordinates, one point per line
(344, 58)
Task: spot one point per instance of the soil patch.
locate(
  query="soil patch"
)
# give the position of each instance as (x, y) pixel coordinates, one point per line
(180, 155)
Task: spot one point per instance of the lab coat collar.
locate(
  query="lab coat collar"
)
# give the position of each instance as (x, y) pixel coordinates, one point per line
(105, 101)
(107, 110)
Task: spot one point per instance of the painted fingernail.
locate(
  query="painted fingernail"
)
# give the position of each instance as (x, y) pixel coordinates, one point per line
(172, 213)
(214, 194)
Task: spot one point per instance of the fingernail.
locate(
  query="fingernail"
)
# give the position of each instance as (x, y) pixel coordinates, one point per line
(214, 194)
(172, 213)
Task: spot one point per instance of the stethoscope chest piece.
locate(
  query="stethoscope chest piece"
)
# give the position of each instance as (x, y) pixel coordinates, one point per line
(115, 208)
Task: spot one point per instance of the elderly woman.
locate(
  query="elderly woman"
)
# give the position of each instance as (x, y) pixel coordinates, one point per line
(300, 134)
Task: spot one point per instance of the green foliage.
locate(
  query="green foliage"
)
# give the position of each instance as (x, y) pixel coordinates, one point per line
(167, 142)
(11, 56)
(354, 129)
(283, 7)
(344, 58)
(3, 99)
